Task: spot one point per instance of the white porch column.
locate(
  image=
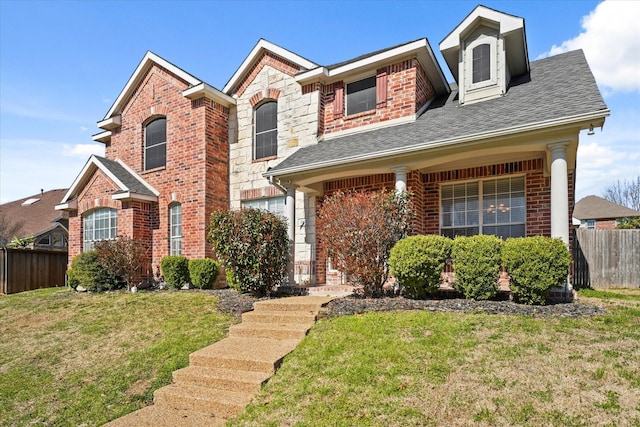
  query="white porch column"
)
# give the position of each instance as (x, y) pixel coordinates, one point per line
(290, 211)
(401, 179)
(559, 192)
(560, 200)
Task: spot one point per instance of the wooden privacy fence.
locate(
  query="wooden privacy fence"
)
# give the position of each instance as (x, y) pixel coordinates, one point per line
(27, 269)
(606, 258)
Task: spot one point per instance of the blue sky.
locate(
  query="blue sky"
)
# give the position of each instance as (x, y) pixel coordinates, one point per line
(63, 63)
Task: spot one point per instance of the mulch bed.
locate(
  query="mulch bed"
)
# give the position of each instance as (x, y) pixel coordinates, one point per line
(237, 303)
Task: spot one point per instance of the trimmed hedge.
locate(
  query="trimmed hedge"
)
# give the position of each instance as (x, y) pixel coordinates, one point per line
(203, 272)
(87, 271)
(476, 261)
(535, 266)
(175, 269)
(417, 263)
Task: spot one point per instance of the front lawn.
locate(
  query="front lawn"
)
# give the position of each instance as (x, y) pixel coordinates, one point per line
(418, 368)
(85, 359)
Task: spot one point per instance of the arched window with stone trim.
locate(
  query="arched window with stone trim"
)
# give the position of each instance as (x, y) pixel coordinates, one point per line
(155, 143)
(266, 130)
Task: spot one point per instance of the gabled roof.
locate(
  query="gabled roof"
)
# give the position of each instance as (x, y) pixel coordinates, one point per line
(256, 53)
(594, 207)
(131, 185)
(197, 88)
(370, 61)
(511, 29)
(561, 91)
(37, 213)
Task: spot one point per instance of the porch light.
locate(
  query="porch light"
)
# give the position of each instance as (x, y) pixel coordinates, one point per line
(591, 132)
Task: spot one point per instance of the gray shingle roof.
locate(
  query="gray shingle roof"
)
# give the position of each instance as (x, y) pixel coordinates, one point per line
(560, 86)
(594, 207)
(131, 182)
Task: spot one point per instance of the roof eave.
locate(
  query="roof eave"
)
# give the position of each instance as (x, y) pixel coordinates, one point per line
(584, 120)
(207, 91)
(103, 137)
(130, 195)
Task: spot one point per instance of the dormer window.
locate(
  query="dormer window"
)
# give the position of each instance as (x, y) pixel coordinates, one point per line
(481, 63)
(361, 95)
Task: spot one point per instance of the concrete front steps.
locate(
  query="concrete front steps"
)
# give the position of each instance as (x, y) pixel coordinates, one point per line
(222, 378)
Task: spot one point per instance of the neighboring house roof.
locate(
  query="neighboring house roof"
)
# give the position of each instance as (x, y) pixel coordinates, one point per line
(594, 207)
(131, 185)
(561, 90)
(37, 213)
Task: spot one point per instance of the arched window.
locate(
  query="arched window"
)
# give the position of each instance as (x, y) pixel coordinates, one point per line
(481, 63)
(99, 224)
(175, 229)
(266, 130)
(155, 144)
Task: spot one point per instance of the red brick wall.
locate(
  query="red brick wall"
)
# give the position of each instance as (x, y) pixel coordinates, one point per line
(607, 224)
(196, 171)
(408, 89)
(538, 190)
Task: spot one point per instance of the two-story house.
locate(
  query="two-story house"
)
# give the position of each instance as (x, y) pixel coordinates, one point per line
(493, 152)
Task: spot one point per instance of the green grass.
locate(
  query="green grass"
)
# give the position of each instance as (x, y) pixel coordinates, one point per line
(85, 359)
(422, 368)
(81, 359)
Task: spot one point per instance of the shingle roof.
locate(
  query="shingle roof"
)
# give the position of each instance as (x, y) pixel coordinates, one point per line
(36, 217)
(367, 55)
(594, 207)
(560, 86)
(130, 181)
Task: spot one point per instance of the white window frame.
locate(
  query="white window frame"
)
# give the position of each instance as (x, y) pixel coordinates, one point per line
(346, 93)
(92, 234)
(275, 205)
(256, 133)
(175, 229)
(493, 61)
(480, 224)
(146, 148)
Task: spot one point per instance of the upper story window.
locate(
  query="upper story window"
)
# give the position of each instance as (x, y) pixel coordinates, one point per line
(175, 229)
(494, 206)
(266, 130)
(155, 144)
(481, 67)
(99, 224)
(361, 95)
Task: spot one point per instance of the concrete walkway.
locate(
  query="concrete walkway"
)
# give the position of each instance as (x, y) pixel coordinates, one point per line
(222, 379)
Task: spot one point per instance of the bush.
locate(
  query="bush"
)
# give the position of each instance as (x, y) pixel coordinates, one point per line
(123, 256)
(203, 272)
(417, 263)
(87, 271)
(535, 266)
(175, 269)
(232, 281)
(253, 244)
(476, 262)
(359, 229)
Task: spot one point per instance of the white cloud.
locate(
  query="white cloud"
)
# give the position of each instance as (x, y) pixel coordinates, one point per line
(82, 150)
(611, 42)
(83, 128)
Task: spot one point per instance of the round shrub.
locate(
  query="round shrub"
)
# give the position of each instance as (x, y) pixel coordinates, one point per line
(203, 272)
(87, 271)
(535, 266)
(476, 262)
(175, 269)
(254, 245)
(417, 263)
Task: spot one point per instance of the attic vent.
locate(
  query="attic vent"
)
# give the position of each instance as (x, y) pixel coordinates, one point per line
(29, 202)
